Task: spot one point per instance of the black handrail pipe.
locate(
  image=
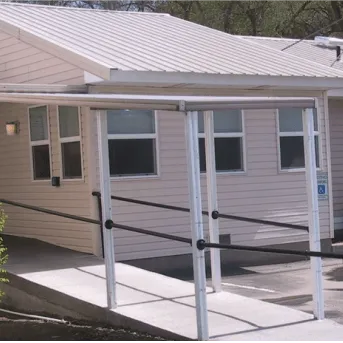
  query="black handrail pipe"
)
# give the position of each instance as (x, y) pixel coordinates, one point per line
(214, 214)
(54, 213)
(201, 245)
(98, 196)
(109, 224)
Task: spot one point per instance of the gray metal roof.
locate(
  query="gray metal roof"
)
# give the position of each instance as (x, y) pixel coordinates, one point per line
(131, 41)
(306, 49)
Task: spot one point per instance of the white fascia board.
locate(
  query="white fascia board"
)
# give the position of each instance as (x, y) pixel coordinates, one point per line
(335, 93)
(58, 50)
(197, 91)
(93, 100)
(91, 103)
(234, 81)
(41, 88)
(90, 78)
(157, 102)
(252, 103)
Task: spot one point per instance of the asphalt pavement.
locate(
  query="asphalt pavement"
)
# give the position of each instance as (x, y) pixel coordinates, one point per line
(290, 285)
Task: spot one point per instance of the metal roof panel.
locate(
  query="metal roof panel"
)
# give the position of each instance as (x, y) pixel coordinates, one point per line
(134, 41)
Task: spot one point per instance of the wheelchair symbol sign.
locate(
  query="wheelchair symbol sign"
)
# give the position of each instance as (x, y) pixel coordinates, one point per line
(321, 189)
(322, 186)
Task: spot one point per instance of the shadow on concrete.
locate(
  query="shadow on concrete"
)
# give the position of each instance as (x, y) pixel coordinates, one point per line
(295, 300)
(261, 329)
(179, 299)
(333, 314)
(335, 274)
(30, 255)
(22, 250)
(186, 274)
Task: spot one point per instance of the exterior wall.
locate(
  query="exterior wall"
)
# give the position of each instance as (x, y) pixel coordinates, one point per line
(336, 139)
(262, 192)
(22, 63)
(16, 184)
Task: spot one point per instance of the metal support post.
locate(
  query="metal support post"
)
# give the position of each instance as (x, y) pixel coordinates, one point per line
(313, 212)
(106, 204)
(212, 200)
(196, 223)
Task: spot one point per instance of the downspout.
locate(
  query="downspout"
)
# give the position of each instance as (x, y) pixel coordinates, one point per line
(328, 159)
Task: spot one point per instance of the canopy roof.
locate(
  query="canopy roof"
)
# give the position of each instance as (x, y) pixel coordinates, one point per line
(156, 102)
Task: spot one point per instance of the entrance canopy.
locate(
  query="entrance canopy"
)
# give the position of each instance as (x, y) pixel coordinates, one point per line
(190, 105)
(157, 102)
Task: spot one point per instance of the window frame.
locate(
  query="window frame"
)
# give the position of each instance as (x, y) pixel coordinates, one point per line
(39, 143)
(140, 136)
(230, 135)
(299, 134)
(62, 140)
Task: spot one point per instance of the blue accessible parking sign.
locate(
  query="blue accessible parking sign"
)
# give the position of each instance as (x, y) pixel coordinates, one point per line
(321, 189)
(322, 182)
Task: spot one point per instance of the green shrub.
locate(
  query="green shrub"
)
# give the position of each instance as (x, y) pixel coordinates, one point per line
(3, 250)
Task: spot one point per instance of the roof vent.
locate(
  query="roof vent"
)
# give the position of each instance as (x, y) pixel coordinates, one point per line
(328, 41)
(331, 42)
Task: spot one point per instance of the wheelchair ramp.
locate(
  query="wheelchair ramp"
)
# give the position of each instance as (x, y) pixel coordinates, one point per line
(148, 301)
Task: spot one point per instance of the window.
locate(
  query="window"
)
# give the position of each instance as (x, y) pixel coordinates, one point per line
(228, 141)
(39, 142)
(132, 142)
(291, 138)
(70, 140)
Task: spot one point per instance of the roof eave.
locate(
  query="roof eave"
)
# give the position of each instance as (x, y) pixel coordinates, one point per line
(230, 81)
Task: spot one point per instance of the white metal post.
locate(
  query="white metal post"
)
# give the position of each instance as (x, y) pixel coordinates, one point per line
(212, 199)
(105, 189)
(313, 212)
(196, 224)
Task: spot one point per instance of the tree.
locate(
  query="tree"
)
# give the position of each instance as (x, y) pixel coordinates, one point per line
(289, 19)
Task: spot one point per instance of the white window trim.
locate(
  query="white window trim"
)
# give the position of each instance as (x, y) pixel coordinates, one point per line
(232, 135)
(141, 136)
(37, 143)
(298, 134)
(70, 140)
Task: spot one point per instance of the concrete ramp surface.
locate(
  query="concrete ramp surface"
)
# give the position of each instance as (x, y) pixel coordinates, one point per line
(149, 301)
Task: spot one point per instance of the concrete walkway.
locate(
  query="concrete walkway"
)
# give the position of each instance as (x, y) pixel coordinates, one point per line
(153, 302)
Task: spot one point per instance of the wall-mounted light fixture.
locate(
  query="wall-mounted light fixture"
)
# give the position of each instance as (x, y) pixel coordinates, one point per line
(12, 128)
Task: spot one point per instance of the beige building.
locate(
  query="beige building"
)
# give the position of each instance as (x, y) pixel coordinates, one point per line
(58, 65)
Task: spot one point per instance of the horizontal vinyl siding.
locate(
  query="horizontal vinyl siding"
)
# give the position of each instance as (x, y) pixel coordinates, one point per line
(16, 184)
(336, 136)
(22, 63)
(262, 192)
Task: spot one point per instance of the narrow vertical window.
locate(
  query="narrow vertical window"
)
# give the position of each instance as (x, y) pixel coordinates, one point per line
(39, 142)
(291, 138)
(70, 140)
(228, 141)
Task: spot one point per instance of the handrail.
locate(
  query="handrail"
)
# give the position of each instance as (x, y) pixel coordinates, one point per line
(101, 224)
(55, 213)
(201, 244)
(109, 225)
(94, 221)
(214, 214)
